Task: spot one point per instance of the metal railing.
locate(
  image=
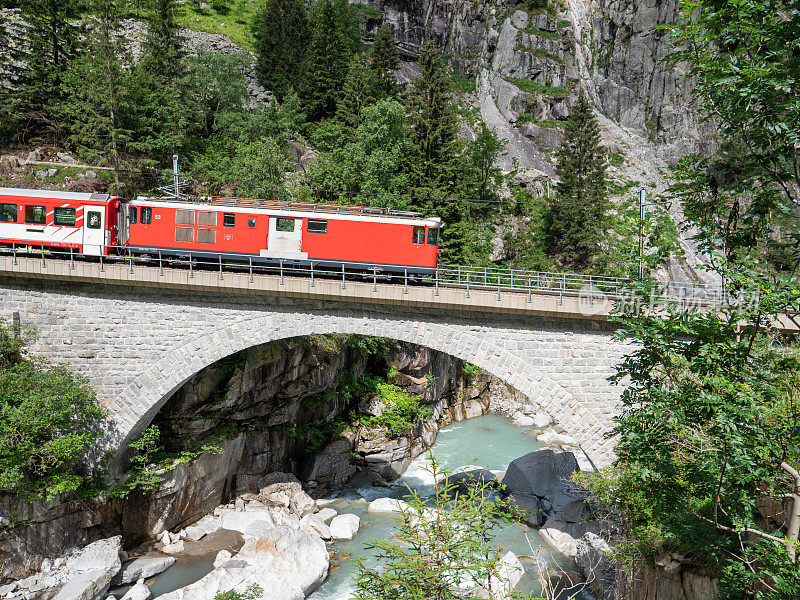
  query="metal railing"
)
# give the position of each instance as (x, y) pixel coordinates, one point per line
(592, 288)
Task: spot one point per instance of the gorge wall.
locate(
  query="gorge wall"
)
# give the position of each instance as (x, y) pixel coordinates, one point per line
(275, 407)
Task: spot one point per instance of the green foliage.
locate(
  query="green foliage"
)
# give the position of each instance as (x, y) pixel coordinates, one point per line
(253, 592)
(483, 155)
(469, 373)
(578, 214)
(360, 90)
(543, 33)
(401, 412)
(440, 545)
(369, 346)
(534, 87)
(281, 31)
(218, 86)
(384, 58)
(48, 420)
(150, 462)
(163, 47)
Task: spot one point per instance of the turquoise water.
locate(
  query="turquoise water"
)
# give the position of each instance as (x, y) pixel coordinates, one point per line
(490, 441)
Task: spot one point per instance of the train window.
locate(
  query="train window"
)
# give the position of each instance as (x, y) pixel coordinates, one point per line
(64, 216)
(147, 215)
(433, 236)
(8, 213)
(418, 236)
(207, 236)
(317, 226)
(251, 223)
(36, 215)
(132, 215)
(184, 217)
(207, 218)
(184, 234)
(285, 224)
(229, 219)
(93, 220)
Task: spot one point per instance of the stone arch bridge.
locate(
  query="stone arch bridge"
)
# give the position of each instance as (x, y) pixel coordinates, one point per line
(139, 336)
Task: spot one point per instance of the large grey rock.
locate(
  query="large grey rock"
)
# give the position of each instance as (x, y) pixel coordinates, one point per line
(593, 559)
(543, 474)
(89, 571)
(276, 487)
(326, 514)
(509, 574)
(386, 505)
(143, 567)
(462, 481)
(344, 527)
(88, 585)
(138, 592)
(316, 526)
(239, 521)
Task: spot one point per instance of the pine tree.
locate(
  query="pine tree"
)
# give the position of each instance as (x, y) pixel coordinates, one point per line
(348, 25)
(434, 121)
(578, 214)
(95, 86)
(325, 67)
(384, 58)
(49, 44)
(359, 91)
(281, 31)
(164, 50)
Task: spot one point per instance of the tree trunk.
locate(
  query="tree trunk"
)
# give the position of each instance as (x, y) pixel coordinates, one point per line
(793, 531)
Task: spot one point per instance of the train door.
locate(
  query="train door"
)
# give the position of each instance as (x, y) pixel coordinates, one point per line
(94, 230)
(285, 235)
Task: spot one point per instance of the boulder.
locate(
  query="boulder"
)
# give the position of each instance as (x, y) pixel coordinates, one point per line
(316, 526)
(142, 568)
(344, 527)
(592, 558)
(239, 521)
(545, 475)
(541, 420)
(276, 488)
(509, 574)
(174, 548)
(89, 585)
(552, 438)
(464, 480)
(66, 158)
(386, 505)
(222, 557)
(292, 555)
(326, 514)
(90, 570)
(138, 592)
(522, 420)
(559, 540)
(206, 525)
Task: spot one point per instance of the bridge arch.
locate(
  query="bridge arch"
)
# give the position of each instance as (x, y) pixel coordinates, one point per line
(141, 400)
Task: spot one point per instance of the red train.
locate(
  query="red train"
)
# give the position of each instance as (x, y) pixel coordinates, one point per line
(230, 229)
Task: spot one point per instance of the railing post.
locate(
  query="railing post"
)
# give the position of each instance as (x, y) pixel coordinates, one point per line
(71, 259)
(512, 278)
(221, 276)
(102, 268)
(281, 263)
(160, 265)
(191, 267)
(561, 291)
(405, 279)
(374, 279)
(498, 287)
(436, 279)
(529, 291)
(344, 284)
(130, 260)
(312, 274)
(44, 264)
(591, 291)
(485, 275)
(250, 267)
(467, 296)
(459, 274)
(14, 250)
(684, 298)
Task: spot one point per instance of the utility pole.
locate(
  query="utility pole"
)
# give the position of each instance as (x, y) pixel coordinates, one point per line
(641, 232)
(177, 176)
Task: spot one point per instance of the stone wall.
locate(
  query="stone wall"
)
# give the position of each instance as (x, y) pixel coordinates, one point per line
(139, 345)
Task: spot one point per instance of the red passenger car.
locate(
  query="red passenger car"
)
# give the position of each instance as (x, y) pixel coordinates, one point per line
(290, 232)
(227, 229)
(86, 223)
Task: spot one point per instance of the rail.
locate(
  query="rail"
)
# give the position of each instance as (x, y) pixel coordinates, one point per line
(466, 278)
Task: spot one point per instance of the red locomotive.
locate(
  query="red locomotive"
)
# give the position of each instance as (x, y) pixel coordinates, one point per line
(266, 232)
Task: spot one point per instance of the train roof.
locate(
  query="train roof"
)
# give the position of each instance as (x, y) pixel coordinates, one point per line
(54, 194)
(328, 210)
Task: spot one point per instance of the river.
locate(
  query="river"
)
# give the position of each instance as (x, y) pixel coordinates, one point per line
(490, 441)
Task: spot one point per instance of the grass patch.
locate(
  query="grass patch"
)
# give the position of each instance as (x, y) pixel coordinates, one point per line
(369, 12)
(534, 87)
(562, 24)
(541, 52)
(542, 33)
(233, 20)
(616, 159)
(548, 123)
(465, 85)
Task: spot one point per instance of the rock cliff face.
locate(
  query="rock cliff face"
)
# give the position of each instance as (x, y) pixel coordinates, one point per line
(270, 408)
